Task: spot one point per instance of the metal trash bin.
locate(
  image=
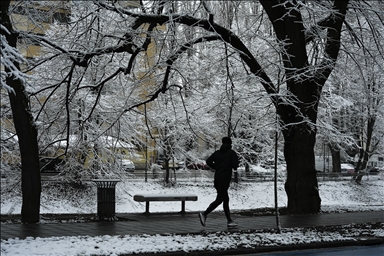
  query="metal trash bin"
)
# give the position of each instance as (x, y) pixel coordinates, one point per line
(106, 209)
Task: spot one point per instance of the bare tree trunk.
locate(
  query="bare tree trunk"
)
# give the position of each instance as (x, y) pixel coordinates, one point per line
(27, 135)
(301, 185)
(166, 167)
(364, 151)
(336, 162)
(26, 132)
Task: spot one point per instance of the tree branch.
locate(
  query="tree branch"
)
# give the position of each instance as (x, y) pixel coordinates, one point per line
(332, 46)
(223, 33)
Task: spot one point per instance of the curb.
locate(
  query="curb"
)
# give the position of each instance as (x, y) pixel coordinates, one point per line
(358, 241)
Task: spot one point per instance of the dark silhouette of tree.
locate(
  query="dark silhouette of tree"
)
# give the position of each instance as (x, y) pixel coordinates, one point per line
(25, 128)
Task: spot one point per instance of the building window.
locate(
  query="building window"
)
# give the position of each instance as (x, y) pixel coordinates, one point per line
(39, 15)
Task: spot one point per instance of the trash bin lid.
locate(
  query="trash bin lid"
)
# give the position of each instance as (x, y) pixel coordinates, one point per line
(106, 183)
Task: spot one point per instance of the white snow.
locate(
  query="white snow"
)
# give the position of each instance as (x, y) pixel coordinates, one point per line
(337, 196)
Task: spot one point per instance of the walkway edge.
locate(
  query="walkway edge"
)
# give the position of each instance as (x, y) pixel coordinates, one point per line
(270, 249)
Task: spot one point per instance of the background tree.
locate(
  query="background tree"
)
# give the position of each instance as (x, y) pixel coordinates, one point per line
(352, 100)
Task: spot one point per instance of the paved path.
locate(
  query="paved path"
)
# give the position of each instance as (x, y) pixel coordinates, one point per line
(176, 223)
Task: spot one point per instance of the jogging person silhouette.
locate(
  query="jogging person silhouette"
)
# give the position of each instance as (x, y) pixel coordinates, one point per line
(222, 161)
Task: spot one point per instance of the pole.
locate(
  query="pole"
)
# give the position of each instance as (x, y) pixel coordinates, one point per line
(146, 158)
(276, 198)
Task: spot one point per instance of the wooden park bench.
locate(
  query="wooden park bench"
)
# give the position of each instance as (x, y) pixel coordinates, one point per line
(164, 197)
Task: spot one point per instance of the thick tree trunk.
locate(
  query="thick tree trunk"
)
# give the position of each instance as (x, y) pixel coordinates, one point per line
(301, 184)
(299, 122)
(27, 135)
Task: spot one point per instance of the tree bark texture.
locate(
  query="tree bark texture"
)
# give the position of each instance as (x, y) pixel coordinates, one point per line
(26, 132)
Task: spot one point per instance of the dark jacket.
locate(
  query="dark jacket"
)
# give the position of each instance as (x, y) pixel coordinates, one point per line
(223, 161)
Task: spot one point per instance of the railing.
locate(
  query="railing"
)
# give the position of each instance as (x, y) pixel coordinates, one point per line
(206, 175)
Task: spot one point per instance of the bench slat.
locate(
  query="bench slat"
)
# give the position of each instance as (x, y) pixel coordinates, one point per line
(163, 197)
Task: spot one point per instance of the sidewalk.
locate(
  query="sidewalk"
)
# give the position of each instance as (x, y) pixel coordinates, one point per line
(176, 223)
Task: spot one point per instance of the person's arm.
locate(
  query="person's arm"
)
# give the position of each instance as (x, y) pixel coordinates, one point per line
(210, 162)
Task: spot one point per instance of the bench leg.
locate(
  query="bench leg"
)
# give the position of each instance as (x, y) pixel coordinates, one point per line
(147, 207)
(182, 206)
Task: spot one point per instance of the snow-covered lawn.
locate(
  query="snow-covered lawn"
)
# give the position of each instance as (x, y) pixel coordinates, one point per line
(337, 196)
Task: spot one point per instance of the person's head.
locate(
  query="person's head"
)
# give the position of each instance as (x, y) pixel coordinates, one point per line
(226, 140)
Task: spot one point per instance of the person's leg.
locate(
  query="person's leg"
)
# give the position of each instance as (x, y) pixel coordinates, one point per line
(226, 205)
(214, 204)
(211, 207)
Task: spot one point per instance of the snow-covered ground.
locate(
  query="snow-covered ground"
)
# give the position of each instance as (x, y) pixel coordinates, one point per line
(337, 196)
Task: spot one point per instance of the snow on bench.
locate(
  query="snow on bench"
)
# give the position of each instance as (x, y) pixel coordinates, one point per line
(164, 197)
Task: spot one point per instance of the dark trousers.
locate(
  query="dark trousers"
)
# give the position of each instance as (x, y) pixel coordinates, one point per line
(222, 197)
